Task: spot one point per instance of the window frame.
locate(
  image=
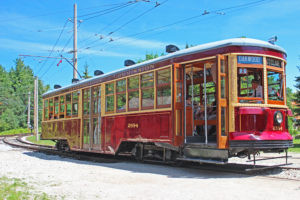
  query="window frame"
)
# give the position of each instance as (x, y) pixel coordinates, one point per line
(109, 95)
(163, 85)
(121, 93)
(147, 88)
(137, 89)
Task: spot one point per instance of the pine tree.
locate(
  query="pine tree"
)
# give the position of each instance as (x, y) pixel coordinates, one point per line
(297, 98)
(14, 88)
(86, 71)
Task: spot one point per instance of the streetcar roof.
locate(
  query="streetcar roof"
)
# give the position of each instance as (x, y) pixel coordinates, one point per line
(196, 49)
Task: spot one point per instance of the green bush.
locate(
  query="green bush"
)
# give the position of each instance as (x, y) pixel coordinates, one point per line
(15, 131)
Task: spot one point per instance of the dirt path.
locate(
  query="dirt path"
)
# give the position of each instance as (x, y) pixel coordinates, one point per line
(72, 179)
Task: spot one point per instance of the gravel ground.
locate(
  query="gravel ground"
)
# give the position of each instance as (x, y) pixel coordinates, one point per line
(293, 162)
(72, 179)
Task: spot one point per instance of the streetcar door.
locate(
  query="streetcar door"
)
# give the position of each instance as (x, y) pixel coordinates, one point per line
(178, 103)
(222, 106)
(200, 102)
(92, 118)
(95, 118)
(86, 99)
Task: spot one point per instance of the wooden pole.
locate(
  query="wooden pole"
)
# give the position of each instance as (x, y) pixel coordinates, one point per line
(75, 43)
(36, 109)
(28, 112)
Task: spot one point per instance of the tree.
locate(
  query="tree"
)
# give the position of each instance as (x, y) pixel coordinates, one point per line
(14, 88)
(86, 72)
(290, 98)
(149, 56)
(297, 98)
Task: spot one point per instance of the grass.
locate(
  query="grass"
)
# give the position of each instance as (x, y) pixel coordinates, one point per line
(296, 147)
(42, 142)
(15, 131)
(16, 189)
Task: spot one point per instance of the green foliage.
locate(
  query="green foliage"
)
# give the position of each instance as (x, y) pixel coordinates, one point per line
(149, 56)
(15, 85)
(296, 147)
(188, 46)
(86, 71)
(290, 97)
(16, 189)
(42, 142)
(297, 98)
(15, 131)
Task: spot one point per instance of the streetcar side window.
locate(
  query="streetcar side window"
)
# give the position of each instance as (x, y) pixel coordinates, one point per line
(147, 90)
(86, 101)
(95, 99)
(68, 104)
(121, 95)
(75, 97)
(133, 93)
(46, 109)
(56, 107)
(163, 88)
(62, 107)
(109, 97)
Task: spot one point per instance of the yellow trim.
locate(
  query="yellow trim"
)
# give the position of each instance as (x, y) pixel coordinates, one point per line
(155, 89)
(80, 115)
(284, 83)
(197, 60)
(232, 86)
(126, 109)
(115, 96)
(103, 102)
(61, 119)
(138, 112)
(256, 54)
(140, 93)
(265, 79)
(258, 105)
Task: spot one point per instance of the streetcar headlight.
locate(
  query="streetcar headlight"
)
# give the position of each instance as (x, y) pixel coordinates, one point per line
(278, 118)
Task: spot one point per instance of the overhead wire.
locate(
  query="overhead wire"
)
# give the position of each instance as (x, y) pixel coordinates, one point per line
(109, 24)
(104, 12)
(126, 23)
(187, 19)
(140, 15)
(54, 46)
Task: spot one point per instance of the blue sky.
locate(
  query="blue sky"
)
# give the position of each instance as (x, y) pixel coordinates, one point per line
(33, 27)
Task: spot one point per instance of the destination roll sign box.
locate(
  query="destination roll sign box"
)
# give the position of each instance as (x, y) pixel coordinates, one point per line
(250, 60)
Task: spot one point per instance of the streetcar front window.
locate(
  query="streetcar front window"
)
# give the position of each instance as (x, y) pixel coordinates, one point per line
(275, 86)
(250, 85)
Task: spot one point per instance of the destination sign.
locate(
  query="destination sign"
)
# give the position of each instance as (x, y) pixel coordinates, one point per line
(250, 60)
(273, 62)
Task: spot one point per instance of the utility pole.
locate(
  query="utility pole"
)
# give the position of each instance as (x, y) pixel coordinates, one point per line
(36, 109)
(28, 112)
(75, 43)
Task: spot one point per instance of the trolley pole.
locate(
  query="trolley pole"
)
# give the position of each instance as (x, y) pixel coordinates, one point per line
(36, 109)
(75, 43)
(28, 112)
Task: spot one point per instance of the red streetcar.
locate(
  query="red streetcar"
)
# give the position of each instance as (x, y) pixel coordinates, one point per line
(206, 103)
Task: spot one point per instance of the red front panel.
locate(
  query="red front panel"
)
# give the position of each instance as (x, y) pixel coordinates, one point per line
(149, 127)
(258, 124)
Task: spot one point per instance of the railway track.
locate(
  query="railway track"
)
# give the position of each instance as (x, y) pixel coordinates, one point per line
(238, 168)
(16, 141)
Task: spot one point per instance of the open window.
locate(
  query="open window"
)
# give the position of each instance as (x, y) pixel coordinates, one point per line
(163, 88)
(133, 93)
(147, 90)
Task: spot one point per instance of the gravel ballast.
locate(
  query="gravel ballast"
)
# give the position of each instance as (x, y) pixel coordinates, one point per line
(72, 179)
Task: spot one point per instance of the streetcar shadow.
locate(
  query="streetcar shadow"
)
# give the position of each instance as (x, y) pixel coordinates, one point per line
(194, 172)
